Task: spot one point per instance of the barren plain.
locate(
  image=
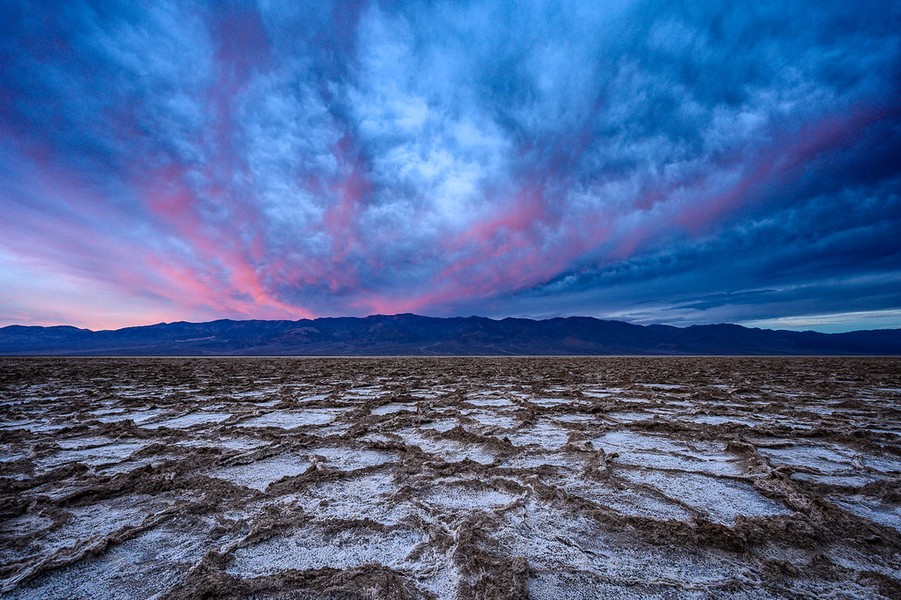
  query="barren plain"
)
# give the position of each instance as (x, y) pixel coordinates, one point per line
(450, 478)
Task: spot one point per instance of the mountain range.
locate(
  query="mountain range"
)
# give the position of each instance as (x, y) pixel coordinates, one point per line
(409, 334)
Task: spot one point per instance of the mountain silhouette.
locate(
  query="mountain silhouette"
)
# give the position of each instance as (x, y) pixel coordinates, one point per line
(409, 334)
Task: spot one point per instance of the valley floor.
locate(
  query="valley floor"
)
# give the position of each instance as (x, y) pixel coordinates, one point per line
(450, 477)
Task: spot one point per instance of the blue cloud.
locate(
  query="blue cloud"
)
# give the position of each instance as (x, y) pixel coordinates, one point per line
(686, 162)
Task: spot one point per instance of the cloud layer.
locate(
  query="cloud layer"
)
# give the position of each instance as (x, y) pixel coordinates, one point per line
(655, 161)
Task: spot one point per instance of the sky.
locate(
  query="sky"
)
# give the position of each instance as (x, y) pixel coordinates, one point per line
(649, 161)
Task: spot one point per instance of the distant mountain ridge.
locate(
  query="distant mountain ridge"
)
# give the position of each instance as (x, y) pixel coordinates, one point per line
(409, 334)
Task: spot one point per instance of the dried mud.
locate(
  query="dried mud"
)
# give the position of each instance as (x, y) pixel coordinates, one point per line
(450, 478)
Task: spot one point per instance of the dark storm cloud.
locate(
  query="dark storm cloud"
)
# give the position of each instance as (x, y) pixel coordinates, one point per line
(659, 161)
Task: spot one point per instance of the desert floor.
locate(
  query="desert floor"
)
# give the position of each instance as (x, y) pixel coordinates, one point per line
(450, 477)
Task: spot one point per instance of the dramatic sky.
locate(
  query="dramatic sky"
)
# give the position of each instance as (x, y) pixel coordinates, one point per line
(652, 161)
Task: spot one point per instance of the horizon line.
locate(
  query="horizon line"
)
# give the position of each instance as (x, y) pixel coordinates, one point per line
(496, 319)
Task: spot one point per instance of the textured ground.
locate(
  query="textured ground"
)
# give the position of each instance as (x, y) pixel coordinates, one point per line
(450, 477)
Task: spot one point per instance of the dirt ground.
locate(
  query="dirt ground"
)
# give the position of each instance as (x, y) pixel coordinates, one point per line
(450, 478)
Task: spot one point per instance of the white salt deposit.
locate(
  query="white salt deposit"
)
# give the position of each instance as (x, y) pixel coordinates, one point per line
(721, 420)
(533, 459)
(93, 456)
(822, 457)
(229, 443)
(626, 500)
(489, 401)
(576, 418)
(660, 386)
(189, 420)
(631, 417)
(852, 480)
(387, 409)
(102, 518)
(260, 474)
(83, 442)
(544, 433)
(22, 527)
(330, 430)
(362, 393)
(468, 496)
(448, 450)
(659, 452)
(871, 509)
(127, 466)
(7, 456)
(362, 497)
(600, 392)
(138, 416)
(312, 398)
(719, 499)
(441, 425)
(547, 402)
(148, 565)
(42, 425)
(491, 419)
(314, 548)
(351, 459)
(883, 464)
(284, 419)
(557, 541)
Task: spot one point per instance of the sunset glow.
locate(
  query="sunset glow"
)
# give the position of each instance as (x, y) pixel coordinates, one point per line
(646, 161)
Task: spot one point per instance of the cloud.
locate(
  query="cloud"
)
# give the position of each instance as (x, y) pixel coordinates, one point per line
(657, 161)
(833, 323)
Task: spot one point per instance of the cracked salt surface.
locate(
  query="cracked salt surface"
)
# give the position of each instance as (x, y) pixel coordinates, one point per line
(29, 527)
(576, 419)
(315, 548)
(448, 450)
(260, 474)
(489, 401)
(544, 433)
(39, 425)
(145, 566)
(641, 503)
(558, 542)
(351, 459)
(658, 452)
(722, 420)
(362, 393)
(631, 417)
(533, 459)
(293, 419)
(127, 466)
(80, 443)
(551, 402)
(854, 480)
(336, 429)
(388, 409)
(627, 500)
(660, 386)
(467, 496)
(102, 518)
(360, 497)
(138, 416)
(224, 442)
(94, 456)
(818, 457)
(871, 509)
(719, 499)
(441, 425)
(491, 419)
(601, 392)
(189, 420)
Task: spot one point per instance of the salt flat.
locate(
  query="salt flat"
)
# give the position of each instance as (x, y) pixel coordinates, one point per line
(450, 477)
